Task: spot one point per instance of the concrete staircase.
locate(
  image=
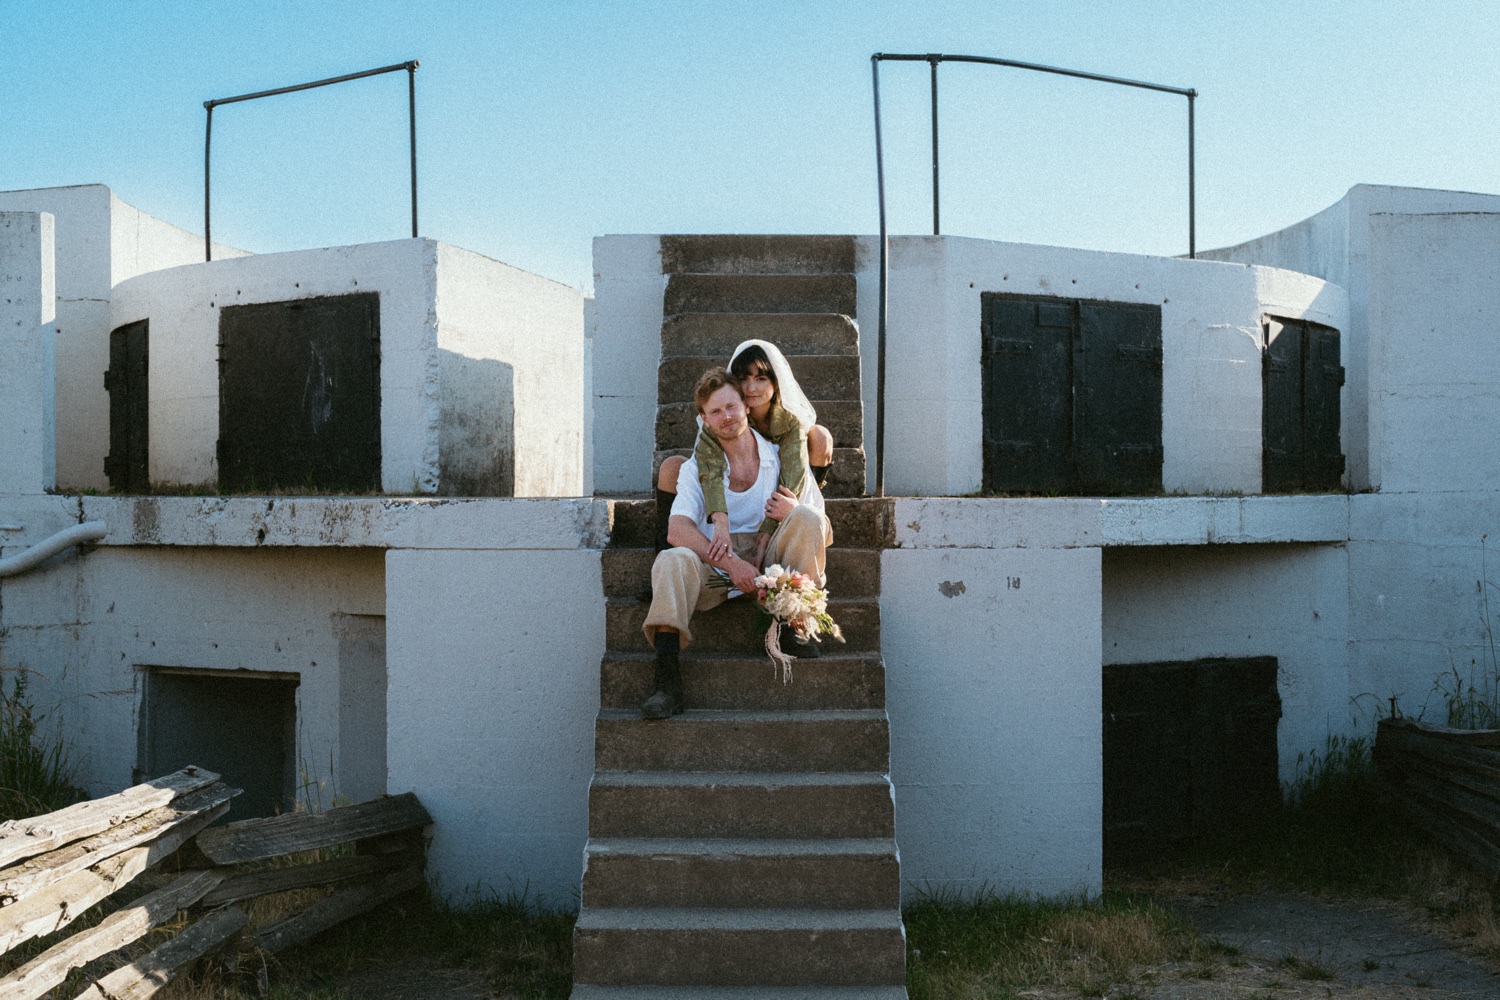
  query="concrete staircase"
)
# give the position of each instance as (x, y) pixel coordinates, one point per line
(750, 841)
(798, 292)
(746, 848)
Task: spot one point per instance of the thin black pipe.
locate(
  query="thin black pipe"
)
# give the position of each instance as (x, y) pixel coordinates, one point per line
(932, 59)
(410, 66)
(1192, 192)
(881, 308)
(208, 136)
(411, 104)
(936, 228)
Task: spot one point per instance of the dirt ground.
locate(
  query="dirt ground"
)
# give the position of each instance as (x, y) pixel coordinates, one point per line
(1277, 947)
(1287, 947)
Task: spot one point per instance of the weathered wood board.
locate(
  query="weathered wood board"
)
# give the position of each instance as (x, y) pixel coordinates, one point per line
(273, 836)
(23, 838)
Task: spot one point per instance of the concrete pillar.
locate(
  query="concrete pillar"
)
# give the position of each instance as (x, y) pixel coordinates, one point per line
(28, 409)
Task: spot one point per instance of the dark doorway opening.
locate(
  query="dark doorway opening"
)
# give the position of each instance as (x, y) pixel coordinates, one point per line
(1189, 749)
(299, 395)
(127, 464)
(240, 723)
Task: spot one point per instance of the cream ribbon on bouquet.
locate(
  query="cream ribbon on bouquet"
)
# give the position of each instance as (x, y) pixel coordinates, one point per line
(794, 600)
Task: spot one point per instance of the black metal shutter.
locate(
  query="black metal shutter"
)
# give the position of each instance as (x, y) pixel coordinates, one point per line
(1281, 407)
(1322, 380)
(299, 395)
(127, 464)
(1027, 371)
(1117, 398)
(1302, 378)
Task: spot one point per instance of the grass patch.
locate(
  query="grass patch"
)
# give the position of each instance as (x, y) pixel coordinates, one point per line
(516, 950)
(997, 946)
(36, 775)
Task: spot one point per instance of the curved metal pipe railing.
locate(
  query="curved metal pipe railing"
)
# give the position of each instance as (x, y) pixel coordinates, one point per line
(89, 531)
(932, 59)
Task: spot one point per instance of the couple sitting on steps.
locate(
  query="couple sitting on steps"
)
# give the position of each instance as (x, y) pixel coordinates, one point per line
(742, 503)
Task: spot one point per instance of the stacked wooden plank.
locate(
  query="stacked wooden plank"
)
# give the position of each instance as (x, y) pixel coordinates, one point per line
(62, 864)
(1447, 781)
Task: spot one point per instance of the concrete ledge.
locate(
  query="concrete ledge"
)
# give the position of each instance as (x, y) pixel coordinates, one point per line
(1065, 523)
(347, 522)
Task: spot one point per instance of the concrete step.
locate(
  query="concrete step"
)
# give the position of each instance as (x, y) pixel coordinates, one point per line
(740, 804)
(677, 423)
(851, 572)
(716, 335)
(759, 293)
(834, 680)
(703, 740)
(846, 477)
(858, 522)
(821, 376)
(730, 628)
(726, 254)
(825, 874)
(589, 991)
(714, 947)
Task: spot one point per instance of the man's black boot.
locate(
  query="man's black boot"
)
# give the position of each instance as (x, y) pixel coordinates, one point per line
(663, 513)
(667, 701)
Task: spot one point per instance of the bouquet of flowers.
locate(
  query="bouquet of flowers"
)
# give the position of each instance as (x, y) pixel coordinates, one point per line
(794, 600)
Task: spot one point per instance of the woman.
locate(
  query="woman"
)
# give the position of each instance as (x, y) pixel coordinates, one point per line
(780, 411)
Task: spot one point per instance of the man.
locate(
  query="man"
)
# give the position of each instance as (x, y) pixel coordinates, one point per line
(683, 578)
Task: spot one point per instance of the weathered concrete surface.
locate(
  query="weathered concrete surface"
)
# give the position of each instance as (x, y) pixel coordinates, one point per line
(493, 659)
(736, 254)
(993, 688)
(101, 241)
(27, 345)
(628, 283)
(1211, 343)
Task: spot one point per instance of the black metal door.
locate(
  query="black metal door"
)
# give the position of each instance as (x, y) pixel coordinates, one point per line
(1028, 412)
(127, 464)
(299, 395)
(1117, 398)
(1322, 382)
(1281, 408)
(1189, 748)
(1300, 414)
(1071, 396)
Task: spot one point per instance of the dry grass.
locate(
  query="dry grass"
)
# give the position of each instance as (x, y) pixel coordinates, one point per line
(996, 947)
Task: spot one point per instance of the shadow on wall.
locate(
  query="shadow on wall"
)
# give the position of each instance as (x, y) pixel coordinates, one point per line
(477, 430)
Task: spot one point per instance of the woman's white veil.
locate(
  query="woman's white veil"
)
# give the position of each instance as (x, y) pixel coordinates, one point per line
(788, 392)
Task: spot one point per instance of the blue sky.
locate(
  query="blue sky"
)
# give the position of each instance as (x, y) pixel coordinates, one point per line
(543, 124)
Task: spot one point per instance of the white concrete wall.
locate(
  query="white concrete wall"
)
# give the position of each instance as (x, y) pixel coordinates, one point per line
(100, 241)
(1434, 325)
(491, 312)
(27, 345)
(84, 625)
(628, 288)
(493, 658)
(993, 690)
(1211, 344)
(1337, 244)
(1286, 601)
(1419, 616)
(183, 306)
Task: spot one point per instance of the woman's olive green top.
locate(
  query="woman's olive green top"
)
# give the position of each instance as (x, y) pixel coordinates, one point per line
(784, 430)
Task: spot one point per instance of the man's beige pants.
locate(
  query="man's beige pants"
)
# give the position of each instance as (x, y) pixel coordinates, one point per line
(680, 580)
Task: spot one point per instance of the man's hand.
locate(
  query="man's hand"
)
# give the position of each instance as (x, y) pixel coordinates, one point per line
(741, 574)
(781, 504)
(762, 542)
(720, 545)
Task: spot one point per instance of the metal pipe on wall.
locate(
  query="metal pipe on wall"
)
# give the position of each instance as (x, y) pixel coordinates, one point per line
(411, 74)
(932, 59)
